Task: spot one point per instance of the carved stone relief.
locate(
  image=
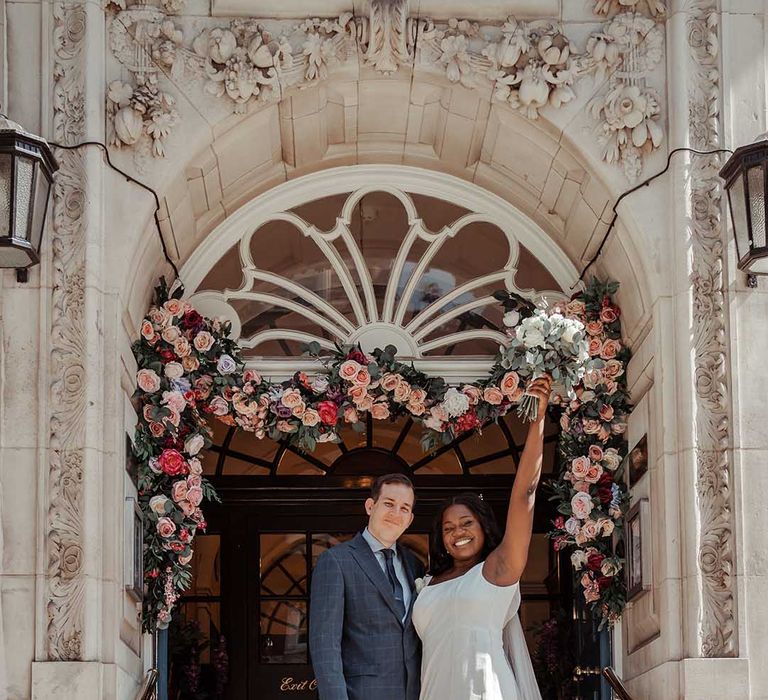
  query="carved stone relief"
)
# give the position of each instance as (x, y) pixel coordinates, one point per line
(64, 527)
(529, 65)
(713, 484)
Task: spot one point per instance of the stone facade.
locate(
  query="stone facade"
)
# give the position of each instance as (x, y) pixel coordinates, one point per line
(557, 111)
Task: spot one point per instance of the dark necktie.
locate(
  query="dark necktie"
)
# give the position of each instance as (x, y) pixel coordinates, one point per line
(397, 589)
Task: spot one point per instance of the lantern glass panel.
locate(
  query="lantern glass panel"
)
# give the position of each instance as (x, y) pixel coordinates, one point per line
(739, 214)
(42, 191)
(756, 180)
(25, 170)
(6, 163)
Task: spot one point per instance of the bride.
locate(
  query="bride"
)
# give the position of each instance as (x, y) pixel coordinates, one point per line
(466, 615)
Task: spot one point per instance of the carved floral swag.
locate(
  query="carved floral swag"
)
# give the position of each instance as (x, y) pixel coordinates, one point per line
(190, 371)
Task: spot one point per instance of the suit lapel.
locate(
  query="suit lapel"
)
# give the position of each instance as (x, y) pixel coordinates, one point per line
(366, 559)
(405, 558)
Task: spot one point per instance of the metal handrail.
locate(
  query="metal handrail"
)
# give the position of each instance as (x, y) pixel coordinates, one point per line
(148, 688)
(615, 682)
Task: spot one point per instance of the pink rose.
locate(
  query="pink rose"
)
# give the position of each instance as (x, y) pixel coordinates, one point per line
(299, 409)
(157, 504)
(193, 444)
(575, 308)
(349, 370)
(610, 387)
(172, 463)
(203, 341)
(610, 349)
(390, 381)
(609, 314)
(350, 415)
(365, 403)
(580, 467)
(195, 495)
(148, 380)
(179, 490)
(581, 486)
(590, 529)
(286, 427)
(509, 383)
(595, 346)
(218, 406)
(157, 429)
(251, 375)
(581, 505)
(493, 395)
(174, 400)
(594, 328)
(165, 527)
(595, 453)
(195, 466)
(173, 370)
(472, 392)
(416, 408)
(380, 410)
(187, 508)
(357, 393)
(418, 396)
(328, 412)
(291, 398)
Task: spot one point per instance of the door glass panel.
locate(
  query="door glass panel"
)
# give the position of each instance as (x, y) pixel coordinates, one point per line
(283, 564)
(283, 632)
(206, 566)
(323, 540)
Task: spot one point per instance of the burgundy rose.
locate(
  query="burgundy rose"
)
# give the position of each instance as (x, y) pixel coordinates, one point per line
(192, 320)
(358, 356)
(167, 354)
(172, 463)
(595, 561)
(604, 582)
(328, 412)
(604, 495)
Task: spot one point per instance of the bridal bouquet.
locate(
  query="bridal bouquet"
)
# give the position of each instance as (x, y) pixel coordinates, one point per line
(545, 343)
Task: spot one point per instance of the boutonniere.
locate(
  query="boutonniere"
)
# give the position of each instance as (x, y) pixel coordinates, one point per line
(419, 584)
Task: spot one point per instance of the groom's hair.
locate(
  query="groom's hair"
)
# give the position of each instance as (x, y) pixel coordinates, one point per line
(390, 479)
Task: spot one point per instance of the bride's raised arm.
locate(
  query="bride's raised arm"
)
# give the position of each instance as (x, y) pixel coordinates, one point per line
(504, 566)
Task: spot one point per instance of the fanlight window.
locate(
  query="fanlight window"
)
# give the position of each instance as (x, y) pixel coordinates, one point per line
(376, 266)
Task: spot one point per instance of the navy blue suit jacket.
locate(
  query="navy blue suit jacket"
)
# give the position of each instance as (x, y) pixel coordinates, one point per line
(360, 648)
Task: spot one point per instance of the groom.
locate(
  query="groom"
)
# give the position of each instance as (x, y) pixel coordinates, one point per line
(361, 640)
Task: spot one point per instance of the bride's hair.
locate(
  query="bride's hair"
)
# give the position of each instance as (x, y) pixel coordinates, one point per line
(439, 559)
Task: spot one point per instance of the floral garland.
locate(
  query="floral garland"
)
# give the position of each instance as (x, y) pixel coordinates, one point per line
(190, 371)
(590, 491)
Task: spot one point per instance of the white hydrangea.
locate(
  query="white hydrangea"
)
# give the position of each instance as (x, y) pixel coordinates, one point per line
(455, 402)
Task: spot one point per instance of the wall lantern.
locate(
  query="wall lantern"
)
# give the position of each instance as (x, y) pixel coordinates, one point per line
(26, 173)
(746, 182)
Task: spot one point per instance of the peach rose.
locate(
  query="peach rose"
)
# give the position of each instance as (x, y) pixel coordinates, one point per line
(157, 429)
(591, 426)
(174, 307)
(291, 398)
(171, 334)
(593, 474)
(365, 404)
(160, 317)
(509, 383)
(590, 529)
(195, 466)
(613, 369)
(402, 392)
(190, 363)
(147, 380)
(575, 308)
(609, 314)
(251, 375)
(606, 526)
(165, 527)
(357, 393)
(174, 400)
(389, 381)
(182, 347)
(594, 328)
(418, 396)
(350, 415)
(362, 378)
(311, 417)
(203, 341)
(349, 370)
(380, 410)
(285, 427)
(581, 486)
(157, 504)
(606, 412)
(595, 346)
(610, 349)
(148, 330)
(610, 387)
(611, 459)
(187, 508)
(416, 408)
(493, 395)
(580, 467)
(299, 409)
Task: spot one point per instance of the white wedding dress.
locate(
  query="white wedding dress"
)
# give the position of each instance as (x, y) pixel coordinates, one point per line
(473, 643)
